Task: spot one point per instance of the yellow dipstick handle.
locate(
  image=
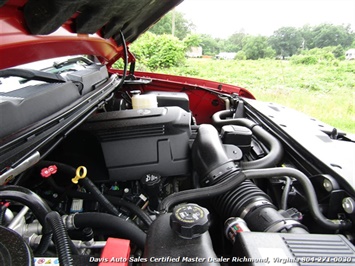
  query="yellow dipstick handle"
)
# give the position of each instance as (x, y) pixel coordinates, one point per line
(81, 172)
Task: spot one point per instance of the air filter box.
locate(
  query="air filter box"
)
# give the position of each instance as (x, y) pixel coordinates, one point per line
(143, 141)
(237, 135)
(167, 98)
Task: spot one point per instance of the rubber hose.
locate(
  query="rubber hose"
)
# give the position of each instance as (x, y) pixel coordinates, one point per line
(132, 207)
(61, 238)
(86, 182)
(28, 198)
(285, 193)
(60, 189)
(229, 182)
(90, 186)
(309, 191)
(2, 214)
(275, 148)
(232, 203)
(114, 200)
(225, 117)
(39, 208)
(113, 223)
(42, 248)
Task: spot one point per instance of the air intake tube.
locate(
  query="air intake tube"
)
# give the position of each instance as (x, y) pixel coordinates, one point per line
(247, 200)
(209, 157)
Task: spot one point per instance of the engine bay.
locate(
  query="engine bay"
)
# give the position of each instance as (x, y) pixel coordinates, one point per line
(156, 184)
(105, 166)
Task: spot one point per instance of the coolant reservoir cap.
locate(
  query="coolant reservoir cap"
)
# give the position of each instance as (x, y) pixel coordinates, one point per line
(190, 220)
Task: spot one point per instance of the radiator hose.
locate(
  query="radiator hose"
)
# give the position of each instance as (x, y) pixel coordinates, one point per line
(214, 168)
(104, 221)
(275, 154)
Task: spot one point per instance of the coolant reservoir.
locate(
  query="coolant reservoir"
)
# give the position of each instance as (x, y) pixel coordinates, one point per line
(142, 101)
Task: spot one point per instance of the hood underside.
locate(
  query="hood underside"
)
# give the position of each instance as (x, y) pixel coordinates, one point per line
(66, 27)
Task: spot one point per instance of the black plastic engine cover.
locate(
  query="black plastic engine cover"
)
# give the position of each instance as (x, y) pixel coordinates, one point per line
(139, 142)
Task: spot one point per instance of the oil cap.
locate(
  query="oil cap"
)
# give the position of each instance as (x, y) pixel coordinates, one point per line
(190, 220)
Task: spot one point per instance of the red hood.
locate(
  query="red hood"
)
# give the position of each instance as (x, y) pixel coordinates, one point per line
(39, 29)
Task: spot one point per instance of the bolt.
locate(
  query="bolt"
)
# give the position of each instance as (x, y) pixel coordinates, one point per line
(327, 184)
(348, 205)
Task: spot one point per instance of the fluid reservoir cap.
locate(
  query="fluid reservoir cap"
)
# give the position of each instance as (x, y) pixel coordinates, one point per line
(190, 220)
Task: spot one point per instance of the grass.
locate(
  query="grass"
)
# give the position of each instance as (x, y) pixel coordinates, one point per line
(325, 91)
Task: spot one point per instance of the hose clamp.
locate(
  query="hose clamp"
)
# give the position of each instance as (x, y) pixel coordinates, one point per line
(68, 221)
(254, 205)
(284, 224)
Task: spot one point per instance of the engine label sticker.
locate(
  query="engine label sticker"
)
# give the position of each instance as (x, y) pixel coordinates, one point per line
(46, 261)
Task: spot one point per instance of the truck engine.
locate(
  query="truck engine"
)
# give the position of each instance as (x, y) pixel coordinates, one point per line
(150, 185)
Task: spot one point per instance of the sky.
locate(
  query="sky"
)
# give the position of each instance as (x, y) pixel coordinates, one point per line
(222, 18)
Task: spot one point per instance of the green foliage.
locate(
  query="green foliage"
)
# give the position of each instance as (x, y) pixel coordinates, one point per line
(256, 47)
(119, 64)
(304, 60)
(332, 35)
(338, 51)
(323, 91)
(315, 56)
(324, 35)
(286, 41)
(209, 45)
(307, 37)
(235, 42)
(192, 40)
(240, 55)
(269, 52)
(183, 27)
(158, 51)
(143, 48)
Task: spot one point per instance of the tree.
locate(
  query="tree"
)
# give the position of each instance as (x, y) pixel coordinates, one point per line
(192, 40)
(286, 41)
(337, 51)
(240, 55)
(324, 35)
(307, 34)
(209, 45)
(256, 47)
(183, 27)
(332, 35)
(158, 51)
(235, 42)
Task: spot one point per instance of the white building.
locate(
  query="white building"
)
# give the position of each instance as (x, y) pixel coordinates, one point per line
(350, 54)
(194, 52)
(226, 56)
